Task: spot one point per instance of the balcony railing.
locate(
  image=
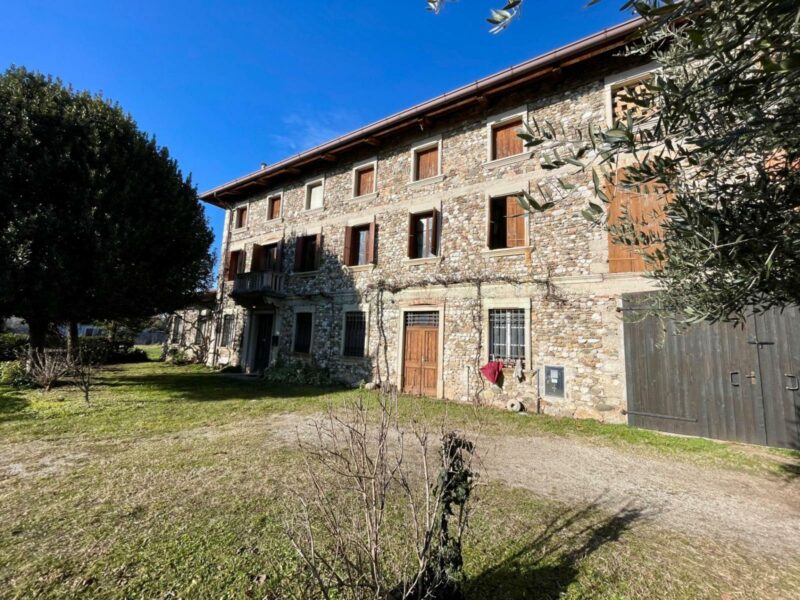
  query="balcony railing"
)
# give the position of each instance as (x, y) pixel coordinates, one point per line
(258, 282)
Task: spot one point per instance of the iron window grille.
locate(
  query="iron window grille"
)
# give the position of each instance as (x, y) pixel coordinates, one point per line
(177, 330)
(422, 319)
(200, 331)
(507, 335)
(355, 333)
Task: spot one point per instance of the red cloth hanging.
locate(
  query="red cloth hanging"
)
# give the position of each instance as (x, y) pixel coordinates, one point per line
(492, 370)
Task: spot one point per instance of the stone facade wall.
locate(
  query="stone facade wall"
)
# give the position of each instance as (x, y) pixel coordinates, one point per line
(560, 277)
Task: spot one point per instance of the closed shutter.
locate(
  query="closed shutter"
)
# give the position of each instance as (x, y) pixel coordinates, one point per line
(505, 141)
(365, 181)
(412, 237)
(644, 209)
(274, 207)
(318, 255)
(434, 239)
(428, 162)
(315, 196)
(515, 223)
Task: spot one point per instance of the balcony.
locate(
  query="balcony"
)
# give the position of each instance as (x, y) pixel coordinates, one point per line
(258, 283)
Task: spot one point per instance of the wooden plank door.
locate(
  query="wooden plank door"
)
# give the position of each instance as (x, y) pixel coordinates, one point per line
(421, 359)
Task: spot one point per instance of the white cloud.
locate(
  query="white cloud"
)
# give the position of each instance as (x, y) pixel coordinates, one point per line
(301, 131)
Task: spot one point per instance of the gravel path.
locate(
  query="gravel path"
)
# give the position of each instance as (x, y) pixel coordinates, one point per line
(756, 511)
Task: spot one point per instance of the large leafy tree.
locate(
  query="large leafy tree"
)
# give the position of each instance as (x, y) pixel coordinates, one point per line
(718, 131)
(97, 220)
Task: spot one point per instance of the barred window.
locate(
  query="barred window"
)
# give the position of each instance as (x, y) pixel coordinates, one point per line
(177, 330)
(355, 333)
(507, 334)
(200, 331)
(227, 331)
(302, 332)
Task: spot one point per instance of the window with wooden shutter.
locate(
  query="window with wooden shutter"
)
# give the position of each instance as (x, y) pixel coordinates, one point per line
(269, 258)
(365, 181)
(505, 141)
(240, 217)
(507, 223)
(622, 100)
(227, 331)
(423, 235)
(426, 163)
(641, 210)
(274, 207)
(303, 324)
(235, 265)
(314, 198)
(357, 245)
(306, 254)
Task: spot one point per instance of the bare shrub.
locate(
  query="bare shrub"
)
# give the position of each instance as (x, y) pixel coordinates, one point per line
(47, 367)
(384, 510)
(83, 365)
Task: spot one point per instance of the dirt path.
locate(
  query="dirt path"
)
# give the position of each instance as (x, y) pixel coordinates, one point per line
(759, 512)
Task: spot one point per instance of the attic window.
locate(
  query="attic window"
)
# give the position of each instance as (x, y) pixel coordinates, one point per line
(505, 141)
(365, 181)
(621, 99)
(240, 217)
(274, 207)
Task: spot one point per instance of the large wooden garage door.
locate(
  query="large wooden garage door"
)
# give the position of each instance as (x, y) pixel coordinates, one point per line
(716, 381)
(421, 353)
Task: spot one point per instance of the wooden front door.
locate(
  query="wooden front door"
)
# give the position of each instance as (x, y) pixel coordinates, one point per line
(421, 355)
(263, 341)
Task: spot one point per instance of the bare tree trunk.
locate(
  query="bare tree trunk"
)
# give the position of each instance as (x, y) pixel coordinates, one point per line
(37, 331)
(72, 339)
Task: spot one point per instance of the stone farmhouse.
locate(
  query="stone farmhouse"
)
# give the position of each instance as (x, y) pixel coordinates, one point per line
(398, 253)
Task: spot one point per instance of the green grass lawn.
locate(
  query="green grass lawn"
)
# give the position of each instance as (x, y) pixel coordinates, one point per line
(168, 485)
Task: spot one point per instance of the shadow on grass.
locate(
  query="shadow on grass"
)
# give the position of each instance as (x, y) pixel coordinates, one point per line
(13, 406)
(547, 564)
(203, 386)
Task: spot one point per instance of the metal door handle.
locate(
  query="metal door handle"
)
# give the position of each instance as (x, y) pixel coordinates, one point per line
(796, 386)
(738, 381)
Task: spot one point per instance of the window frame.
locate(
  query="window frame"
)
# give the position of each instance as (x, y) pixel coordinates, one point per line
(241, 264)
(524, 304)
(622, 79)
(230, 334)
(311, 183)
(200, 326)
(490, 198)
(518, 113)
(304, 310)
(348, 251)
(435, 237)
(270, 198)
(243, 209)
(176, 335)
(357, 169)
(421, 146)
(319, 241)
(351, 308)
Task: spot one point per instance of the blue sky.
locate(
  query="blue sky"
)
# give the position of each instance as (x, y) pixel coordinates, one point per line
(228, 85)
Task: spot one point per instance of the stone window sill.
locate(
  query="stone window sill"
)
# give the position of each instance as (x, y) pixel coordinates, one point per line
(308, 274)
(423, 182)
(239, 229)
(413, 262)
(508, 160)
(516, 251)
(363, 197)
(314, 211)
(274, 221)
(353, 359)
(357, 268)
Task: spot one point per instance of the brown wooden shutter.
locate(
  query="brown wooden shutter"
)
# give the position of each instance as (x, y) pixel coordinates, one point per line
(299, 248)
(348, 246)
(318, 257)
(515, 223)
(428, 162)
(505, 141)
(365, 181)
(435, 232)
(274, 207)
(412, 246)
(371, 244)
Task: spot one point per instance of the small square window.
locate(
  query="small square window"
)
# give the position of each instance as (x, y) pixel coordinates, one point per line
(623, 100)
(554, 381)
(241, 217)
(355, 333)
(505, 141)
(274, 207)
(426, 162)
(314, 195)
(365, 181)
(303, 322)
